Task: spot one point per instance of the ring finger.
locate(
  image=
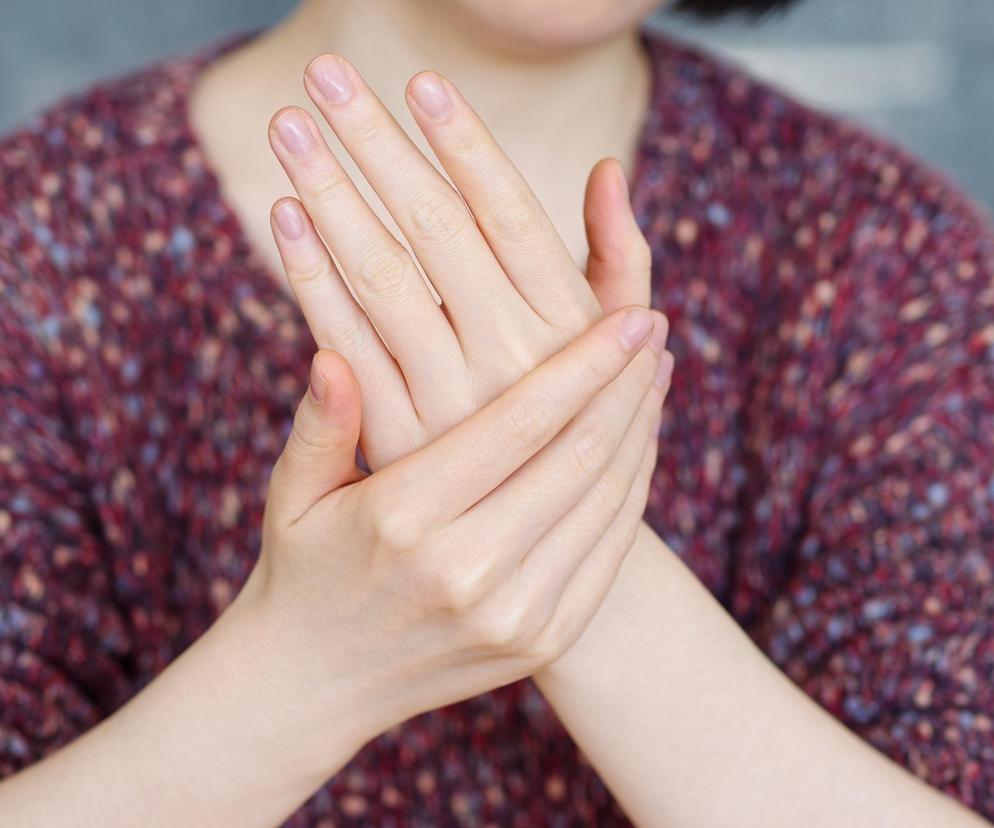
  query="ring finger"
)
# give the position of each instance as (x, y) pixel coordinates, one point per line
(429, 212)
(384, 277)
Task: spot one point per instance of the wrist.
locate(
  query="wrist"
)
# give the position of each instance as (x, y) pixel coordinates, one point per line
(615, 619)
(319, 717)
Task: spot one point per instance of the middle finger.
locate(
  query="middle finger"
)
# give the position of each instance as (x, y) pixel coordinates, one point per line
(432, 216)
(385, 278)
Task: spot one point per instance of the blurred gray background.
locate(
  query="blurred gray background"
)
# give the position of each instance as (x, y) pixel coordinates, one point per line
(921, 71)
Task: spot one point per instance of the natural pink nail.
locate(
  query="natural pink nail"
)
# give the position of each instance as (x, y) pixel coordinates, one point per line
(659, 333)
(328, 74)
(289, 220)
(431, 96)
(635, 326)
(319, 385)
(294, 133)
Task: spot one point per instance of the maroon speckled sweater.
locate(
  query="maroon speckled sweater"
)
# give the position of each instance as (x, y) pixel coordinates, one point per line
(826, 459)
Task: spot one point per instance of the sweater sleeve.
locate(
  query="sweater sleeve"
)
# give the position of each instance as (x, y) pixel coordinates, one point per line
(886, 611)
(63, 643)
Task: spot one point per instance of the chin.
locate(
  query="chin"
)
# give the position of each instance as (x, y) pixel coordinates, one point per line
(554, 25)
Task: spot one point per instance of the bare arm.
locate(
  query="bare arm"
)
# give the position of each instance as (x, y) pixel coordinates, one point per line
(689, 723)
(219, 738)
(372, 600)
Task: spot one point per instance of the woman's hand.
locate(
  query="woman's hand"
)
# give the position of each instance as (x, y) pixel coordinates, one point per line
(469, 563)
(511, 293)
(465, 565)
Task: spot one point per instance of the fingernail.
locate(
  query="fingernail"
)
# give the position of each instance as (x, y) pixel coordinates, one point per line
(634, 328)
(622, 182)
(664, 370)
(659, 332)
(332, 81)
(431, 96)
(318, 384)
(289, 220)
(294, 133)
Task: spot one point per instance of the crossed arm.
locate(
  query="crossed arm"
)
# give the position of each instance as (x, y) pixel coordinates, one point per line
(525, 389)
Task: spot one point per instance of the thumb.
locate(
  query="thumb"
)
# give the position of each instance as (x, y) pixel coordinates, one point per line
(619, 263)
(320, 453)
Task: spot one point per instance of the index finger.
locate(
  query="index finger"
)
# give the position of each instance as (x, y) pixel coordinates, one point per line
(468, 462)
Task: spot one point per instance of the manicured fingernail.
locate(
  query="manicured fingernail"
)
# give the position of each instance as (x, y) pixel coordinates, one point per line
(294, 133)
(664, 370)
(319, 385)
(332, 81)
(431, 96)
(635, 326)
(290, 220)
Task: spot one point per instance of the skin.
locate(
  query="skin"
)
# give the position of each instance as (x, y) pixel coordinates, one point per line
(530, 426)
(237, 97)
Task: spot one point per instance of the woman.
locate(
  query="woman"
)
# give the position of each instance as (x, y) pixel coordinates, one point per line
(824, 464)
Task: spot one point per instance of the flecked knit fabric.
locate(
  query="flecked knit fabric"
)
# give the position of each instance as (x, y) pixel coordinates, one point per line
(826, 459)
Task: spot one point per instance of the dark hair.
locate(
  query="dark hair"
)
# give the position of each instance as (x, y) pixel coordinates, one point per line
(717, 8)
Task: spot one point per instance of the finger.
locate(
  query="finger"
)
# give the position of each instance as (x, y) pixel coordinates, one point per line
(319, 456)
(386, 280)
(619, 263)
(515, 225)
(337, 322)
(593, 578)
(429, 212)
(550, 565)
(573, 467)
(506, 433)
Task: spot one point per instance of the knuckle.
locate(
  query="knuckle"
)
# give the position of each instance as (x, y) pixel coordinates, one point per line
(308, 275)
(546, 647)
(610, 490)
(459, 588)
(438, 218)
(328, 189)
(572, 319)
(385, 273)
(344, 333)
(395, 529)
(464, 146)
(591, 449)
(502, 631)
(525, 421)
(516, 217)
(364, 125)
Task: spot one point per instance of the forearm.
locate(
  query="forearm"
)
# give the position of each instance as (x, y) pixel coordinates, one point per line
(222, 737)
(689, 724)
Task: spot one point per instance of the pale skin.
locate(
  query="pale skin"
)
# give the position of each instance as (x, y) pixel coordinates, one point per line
(530, 426)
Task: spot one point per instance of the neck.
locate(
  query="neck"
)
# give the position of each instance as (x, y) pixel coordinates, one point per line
(390, 40)
(555, 114)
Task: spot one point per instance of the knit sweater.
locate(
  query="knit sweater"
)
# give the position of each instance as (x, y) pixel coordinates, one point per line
(826, 459)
